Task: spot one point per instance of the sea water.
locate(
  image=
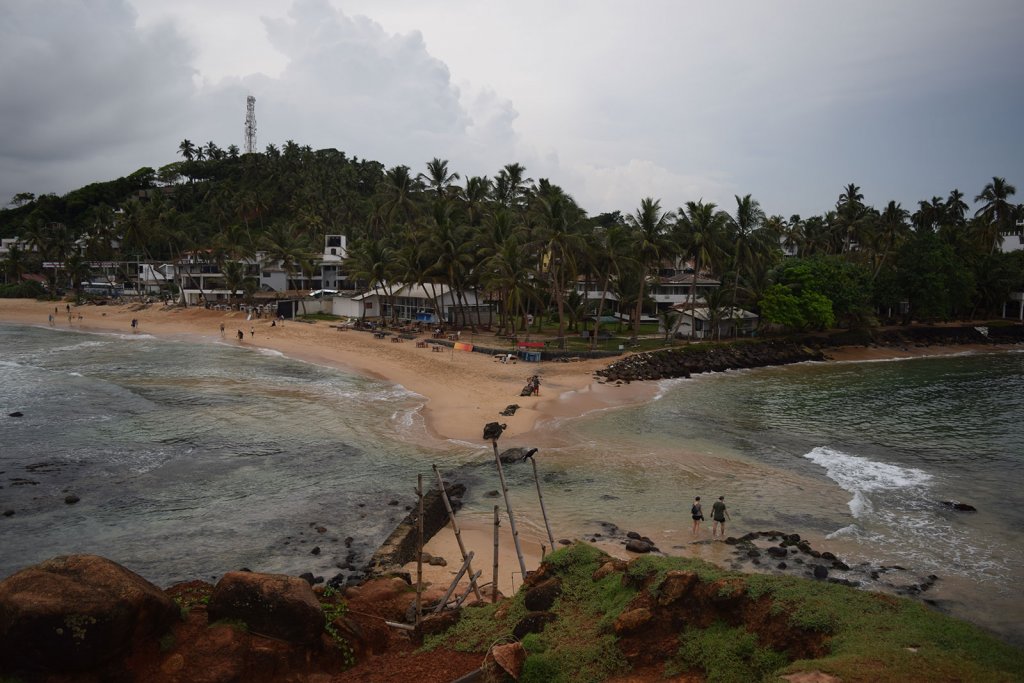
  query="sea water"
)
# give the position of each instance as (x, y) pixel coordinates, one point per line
(191, 459)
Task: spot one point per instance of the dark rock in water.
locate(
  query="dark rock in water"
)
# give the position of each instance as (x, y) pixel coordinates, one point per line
(776, 551)
(753, 553)
(510, 409)
(564, 541)
(827, 556)
(392, 502)
(16, 413)
(8, 513)
(732, 540)
(755, 561)
(315, 550)
(492, 494)
(820, 572)
(513, 455)
(840, 565)
(633, 534)
(348, 541)
(638, 546)
(307, 577)
(960, 507)
(608, 496)
(793, 538)
(781, 565)
(72, 499)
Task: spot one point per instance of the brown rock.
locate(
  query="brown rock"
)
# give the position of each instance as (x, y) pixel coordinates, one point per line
(76, 612)
(677, 585)
(541, 597)
(632, 620)
(270, 604)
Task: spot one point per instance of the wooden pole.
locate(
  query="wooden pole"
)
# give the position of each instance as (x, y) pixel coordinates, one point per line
(540, 496)
(455, 583)
(419, 550)
(472, 582)
(455, 526)
(508, 507)
(494, 583)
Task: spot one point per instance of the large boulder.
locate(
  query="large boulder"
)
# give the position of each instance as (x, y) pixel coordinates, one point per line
(270, 604)
(77, 612)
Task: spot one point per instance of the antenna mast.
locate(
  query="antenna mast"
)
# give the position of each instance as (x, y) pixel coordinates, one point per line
(250, 124)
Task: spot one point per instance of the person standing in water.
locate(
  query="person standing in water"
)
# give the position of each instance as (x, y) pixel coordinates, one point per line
(718, 516)
(697, 514)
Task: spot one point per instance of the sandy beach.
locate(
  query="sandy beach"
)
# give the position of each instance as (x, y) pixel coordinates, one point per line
(463, 390)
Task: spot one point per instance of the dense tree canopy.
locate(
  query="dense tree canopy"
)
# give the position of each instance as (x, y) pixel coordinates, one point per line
(524, 243)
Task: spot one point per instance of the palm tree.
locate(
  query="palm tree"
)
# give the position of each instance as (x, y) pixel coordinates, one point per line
(651, 243)
(701, 227)
(187, 149)
(558, 238)
(892, 230)
(850, 213)
(611, 252)
(438, 179)
(14, 264)
(748, 239)
(997, 214)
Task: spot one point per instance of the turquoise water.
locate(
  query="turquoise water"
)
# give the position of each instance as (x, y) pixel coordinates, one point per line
(192, 459)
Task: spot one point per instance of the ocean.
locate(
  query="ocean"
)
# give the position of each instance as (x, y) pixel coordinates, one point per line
(192, 458)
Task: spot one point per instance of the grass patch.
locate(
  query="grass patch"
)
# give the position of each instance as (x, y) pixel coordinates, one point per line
(866, 636)
(725, 654)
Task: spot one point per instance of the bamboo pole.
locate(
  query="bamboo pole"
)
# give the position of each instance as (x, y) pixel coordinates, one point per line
(508, 506)
(419, 550)
(455, 527)
(472, 582)
(543, 512)
(455, 582)
(494, 583)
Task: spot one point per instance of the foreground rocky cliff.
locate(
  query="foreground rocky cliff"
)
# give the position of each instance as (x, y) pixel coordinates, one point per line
(582, 616)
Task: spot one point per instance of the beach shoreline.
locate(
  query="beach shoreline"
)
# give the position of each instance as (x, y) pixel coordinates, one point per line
(461, 392)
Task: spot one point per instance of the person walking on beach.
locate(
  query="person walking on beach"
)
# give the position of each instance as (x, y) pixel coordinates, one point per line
(222, 330)
(241, 335)
(252, 331)
(698, 516)
(51, 319)
(718, 516)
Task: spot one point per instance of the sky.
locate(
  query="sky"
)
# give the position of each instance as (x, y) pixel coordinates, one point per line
(612, 100)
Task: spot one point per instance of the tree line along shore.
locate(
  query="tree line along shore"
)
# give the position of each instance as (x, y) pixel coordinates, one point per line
(525, 245)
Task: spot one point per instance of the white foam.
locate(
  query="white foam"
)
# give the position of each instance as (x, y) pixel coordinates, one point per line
(854, 473)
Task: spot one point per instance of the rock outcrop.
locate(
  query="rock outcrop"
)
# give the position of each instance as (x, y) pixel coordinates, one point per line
(269, 604)
(77, 612)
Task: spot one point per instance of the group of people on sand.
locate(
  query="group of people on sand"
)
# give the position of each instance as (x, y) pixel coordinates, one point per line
(718, 516)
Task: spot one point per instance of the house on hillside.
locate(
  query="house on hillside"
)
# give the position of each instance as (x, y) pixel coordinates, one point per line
(730, 322)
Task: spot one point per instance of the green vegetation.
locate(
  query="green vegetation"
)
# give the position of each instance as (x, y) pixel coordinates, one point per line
(860, 636)
(334, 607)
(727, 655)
(525, 245)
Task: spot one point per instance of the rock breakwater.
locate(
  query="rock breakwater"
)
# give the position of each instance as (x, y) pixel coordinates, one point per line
(695, 359)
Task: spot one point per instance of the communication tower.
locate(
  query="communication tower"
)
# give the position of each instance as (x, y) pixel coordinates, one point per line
(250, 124)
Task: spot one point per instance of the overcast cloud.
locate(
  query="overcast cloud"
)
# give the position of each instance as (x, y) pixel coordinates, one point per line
(612, 100)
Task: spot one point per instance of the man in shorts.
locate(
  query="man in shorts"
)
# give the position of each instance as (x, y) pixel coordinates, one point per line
(718, 516)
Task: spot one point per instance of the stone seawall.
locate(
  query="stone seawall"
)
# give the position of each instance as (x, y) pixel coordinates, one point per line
(684, 361)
